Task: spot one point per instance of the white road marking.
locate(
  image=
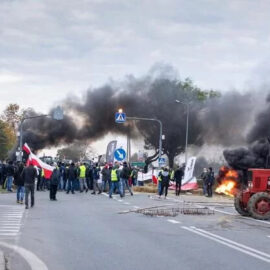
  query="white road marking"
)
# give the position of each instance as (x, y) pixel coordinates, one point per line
(223, 212)
(119, 200)
(12, 215)
(229, 243)
(234, 214)
(105, 194)
(10, 220)
(9, 228)
(173, 221)
(127, 203)
(135, 206)
(31, 258)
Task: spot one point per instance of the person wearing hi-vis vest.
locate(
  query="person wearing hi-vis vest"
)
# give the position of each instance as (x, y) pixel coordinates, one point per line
(115, 177)
(82, 178)
(159, 180)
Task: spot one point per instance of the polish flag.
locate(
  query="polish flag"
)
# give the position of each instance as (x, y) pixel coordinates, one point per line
(32, 158)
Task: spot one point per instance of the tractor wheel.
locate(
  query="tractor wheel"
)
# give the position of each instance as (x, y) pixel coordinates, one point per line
(259, 206)
(239, 207)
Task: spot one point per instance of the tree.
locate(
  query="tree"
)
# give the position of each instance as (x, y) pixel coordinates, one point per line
(160, 104)
(7, 139)
(11, 115)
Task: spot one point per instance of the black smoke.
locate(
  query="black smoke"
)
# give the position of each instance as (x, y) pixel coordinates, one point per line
(222, 120)
(256, 154)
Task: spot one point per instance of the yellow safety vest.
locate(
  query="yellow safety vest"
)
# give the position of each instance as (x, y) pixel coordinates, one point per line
(159, 176)
(172, 175)
(82, 171)
(114, 177)
(42, 172)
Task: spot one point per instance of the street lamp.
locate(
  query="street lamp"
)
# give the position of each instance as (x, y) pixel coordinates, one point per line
(187, 124)
(57, 115)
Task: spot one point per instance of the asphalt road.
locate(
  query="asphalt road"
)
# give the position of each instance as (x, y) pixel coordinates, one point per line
(84, 231)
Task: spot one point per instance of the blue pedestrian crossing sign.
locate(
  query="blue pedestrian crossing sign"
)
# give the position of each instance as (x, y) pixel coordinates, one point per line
(119, 154)
(161, 161)
(120, 117)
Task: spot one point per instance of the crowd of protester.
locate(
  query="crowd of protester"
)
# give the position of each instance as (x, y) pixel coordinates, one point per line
(84, 177)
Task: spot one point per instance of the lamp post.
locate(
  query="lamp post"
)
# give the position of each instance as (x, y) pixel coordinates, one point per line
(57, 115)
(187, 104)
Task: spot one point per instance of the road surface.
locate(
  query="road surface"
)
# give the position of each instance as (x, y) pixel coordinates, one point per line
(84, 231)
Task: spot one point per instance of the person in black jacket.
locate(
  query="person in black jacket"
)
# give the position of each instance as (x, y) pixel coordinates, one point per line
(210, 180)
(55, 180)
(72, 175)
(10, 175)
(106, 175)
(29, 175)
(178, 175)
(96, 175)
(124, 176)
(18, 181)
(3, 174)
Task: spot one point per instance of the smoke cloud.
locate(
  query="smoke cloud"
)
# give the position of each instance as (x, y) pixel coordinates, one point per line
(256, 153)
(227, 120)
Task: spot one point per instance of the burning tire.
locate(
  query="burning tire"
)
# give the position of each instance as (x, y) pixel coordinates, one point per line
(239, 206)
(259, 206)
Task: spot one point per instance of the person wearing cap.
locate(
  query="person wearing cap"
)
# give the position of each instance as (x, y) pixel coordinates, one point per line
(124, 175)
(55, 180)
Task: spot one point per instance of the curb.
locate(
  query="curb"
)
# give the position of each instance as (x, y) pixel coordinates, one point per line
(2, 261)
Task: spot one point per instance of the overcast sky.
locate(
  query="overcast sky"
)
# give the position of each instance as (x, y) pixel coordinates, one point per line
(49, 48)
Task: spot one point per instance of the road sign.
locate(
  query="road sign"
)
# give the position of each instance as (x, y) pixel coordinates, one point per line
(58, 113)
(119, 154)
(138, 164)
(161, 161)
(120, 117)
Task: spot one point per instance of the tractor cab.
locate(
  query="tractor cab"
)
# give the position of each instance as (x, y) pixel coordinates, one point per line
(254, 200)
(258, 180)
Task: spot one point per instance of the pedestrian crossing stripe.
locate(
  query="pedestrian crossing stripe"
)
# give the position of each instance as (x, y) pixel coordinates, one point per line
(10, 221)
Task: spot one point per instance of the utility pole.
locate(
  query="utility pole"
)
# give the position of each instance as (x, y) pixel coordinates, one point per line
(121, 117)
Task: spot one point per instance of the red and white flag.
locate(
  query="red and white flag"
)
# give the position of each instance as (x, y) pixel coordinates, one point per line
(38, 162)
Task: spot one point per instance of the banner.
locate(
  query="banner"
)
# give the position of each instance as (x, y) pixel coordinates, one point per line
(110, 151)
(189, 182)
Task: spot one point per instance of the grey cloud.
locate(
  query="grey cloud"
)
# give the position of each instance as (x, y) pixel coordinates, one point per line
(217, 43)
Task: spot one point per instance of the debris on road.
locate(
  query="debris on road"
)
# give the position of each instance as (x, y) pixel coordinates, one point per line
(166, 211)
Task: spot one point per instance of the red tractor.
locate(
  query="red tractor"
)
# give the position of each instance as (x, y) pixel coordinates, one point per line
(254, 200)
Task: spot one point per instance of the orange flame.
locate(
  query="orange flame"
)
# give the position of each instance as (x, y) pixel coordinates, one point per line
(226, 188)
(228, 183)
